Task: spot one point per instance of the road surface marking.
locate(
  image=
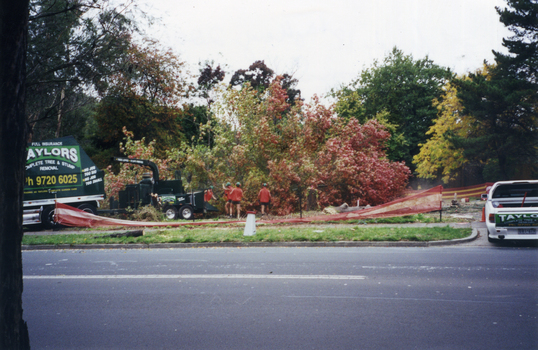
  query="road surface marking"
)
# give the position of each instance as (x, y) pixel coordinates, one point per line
(402, 299)
(214, 276)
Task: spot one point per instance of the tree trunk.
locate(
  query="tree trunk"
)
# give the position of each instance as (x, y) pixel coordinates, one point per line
(13, 33)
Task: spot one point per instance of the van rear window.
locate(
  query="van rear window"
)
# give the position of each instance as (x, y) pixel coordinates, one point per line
(518, 190)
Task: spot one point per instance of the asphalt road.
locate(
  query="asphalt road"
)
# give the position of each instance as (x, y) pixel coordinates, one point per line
(460, 297)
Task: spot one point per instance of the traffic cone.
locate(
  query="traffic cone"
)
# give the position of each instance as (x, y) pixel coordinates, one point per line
(250, 226)
(483, 215)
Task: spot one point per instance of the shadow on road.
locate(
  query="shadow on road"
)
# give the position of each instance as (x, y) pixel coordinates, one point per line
(516, 244)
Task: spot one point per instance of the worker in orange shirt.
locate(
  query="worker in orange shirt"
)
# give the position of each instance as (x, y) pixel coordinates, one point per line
(227, 192)
(236, 196)
(264, 196)
(208, 194)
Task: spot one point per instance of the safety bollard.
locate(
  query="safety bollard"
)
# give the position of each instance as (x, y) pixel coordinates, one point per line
(250, 226)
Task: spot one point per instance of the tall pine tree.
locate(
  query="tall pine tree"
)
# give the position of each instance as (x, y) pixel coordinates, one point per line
(504, 101)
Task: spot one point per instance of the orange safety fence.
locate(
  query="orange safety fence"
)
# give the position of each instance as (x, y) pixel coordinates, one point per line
(422, 202)
(69, 216)
(462, 192)
(466, 192)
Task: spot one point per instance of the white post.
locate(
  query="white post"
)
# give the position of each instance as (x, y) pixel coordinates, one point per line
(250, 225)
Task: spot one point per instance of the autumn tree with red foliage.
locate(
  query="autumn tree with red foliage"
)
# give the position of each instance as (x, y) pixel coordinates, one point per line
(353, 164)
(294, 148)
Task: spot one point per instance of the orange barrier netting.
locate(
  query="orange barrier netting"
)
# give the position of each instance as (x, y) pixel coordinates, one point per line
(423, 202)
(470, 191)
(462, 192)
(69, 216)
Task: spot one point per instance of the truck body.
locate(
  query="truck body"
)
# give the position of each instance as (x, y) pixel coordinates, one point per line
(168, 194)
(511, 211)
(59, 170)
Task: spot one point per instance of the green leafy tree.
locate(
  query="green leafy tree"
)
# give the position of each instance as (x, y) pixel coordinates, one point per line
(402, 89)
(522, 62)
(144, 97)
(73, 45)
(196, 123)
(504, 101)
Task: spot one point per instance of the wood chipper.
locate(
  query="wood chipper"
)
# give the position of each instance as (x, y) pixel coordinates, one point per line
(169, 194)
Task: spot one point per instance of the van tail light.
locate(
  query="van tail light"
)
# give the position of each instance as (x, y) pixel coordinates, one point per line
(491, 218)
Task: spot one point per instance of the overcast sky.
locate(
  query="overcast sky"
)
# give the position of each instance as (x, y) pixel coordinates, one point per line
(327, 43)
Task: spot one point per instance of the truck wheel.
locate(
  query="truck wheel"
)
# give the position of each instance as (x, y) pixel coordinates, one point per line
(493, 240)
(170, 212)
(47, 218)
(186, 212)
(88, 208)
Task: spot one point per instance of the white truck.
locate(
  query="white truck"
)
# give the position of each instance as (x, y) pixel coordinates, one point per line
(511, 211)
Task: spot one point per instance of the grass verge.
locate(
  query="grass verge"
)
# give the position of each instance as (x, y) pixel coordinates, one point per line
(263, 234)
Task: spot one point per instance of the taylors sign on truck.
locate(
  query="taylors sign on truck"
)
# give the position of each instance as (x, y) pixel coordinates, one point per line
(59, 169)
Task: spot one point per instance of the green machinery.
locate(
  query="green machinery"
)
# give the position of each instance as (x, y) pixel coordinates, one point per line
(169, 194)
